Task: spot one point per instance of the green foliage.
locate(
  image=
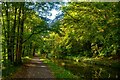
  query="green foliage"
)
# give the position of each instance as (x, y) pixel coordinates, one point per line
(88, 29)
(8, 69)
(21, 33)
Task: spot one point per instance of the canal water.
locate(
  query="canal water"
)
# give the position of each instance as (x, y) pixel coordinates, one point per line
(89, 71)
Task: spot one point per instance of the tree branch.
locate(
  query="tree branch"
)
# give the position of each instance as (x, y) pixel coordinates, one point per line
(75, 20)
(31, 36)
(34, 34)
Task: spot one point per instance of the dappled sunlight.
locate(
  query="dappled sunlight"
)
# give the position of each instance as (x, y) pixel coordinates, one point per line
(35, 59)
(85, 59)
(3, 68)
(43, 66)
(42, 59)
(86, 70)
(26, 57)
(30, 65)
(34, 69)
(60, 39)
(62, 63)
(39, 62)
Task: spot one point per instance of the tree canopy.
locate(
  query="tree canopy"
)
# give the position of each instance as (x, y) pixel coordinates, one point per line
(80, 29)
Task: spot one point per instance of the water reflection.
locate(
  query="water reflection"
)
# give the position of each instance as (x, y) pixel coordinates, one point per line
(88, 71)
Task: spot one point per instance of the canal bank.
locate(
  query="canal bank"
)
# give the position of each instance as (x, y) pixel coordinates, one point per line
(100, 61)
(85, 69)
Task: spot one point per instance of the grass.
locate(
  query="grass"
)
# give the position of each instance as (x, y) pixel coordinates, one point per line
(9, 69)
(26, 59)
(59, 72)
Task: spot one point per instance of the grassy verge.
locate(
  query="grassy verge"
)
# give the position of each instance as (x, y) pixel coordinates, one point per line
(26, 59)
(9, 69)
(59, 72)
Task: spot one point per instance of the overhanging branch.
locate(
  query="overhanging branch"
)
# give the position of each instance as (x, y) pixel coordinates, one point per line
(33, 34)
(36, 33)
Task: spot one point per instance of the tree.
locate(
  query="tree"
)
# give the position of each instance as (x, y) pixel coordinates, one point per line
(16, 19)
(88, 29)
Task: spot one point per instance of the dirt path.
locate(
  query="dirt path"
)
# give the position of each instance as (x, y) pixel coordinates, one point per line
(34, 69)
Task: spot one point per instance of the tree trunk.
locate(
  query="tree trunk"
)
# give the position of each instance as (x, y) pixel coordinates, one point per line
(21, 19)
(34, 51)
(23, 51)
(8, 33)
(30, 49)
(12, 39)
(4, 33)
(21, 29)
(18, 56)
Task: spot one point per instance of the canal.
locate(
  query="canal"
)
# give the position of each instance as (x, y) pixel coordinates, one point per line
(88, 71)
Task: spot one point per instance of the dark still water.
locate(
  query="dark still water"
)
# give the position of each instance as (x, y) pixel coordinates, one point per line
(88, 71)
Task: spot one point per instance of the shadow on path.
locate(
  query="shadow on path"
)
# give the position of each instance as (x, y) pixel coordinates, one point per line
(34, 69)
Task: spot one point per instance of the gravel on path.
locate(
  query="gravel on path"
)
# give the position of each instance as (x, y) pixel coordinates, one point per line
(34, 69)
